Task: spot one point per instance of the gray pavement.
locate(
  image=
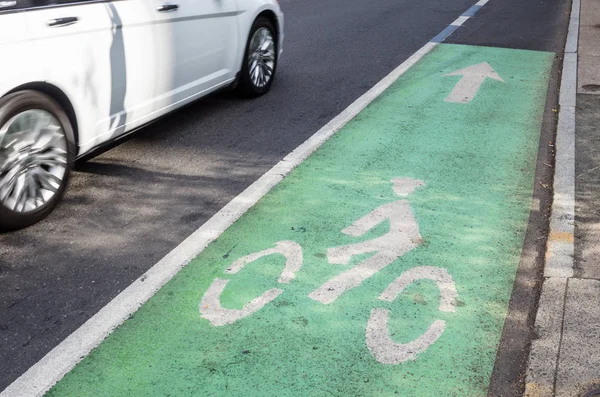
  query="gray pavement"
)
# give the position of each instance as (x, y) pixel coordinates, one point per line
(565, 357)
(578, 369)
(587, 187)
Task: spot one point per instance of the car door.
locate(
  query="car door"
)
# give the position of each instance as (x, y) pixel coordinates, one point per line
(14, 44)
(133, 66)
(197, 42)
(100, 55)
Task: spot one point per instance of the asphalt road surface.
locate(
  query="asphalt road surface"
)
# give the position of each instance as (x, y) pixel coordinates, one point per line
(128, 207)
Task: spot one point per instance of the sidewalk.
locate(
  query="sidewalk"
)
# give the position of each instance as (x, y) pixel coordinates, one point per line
(565, 359)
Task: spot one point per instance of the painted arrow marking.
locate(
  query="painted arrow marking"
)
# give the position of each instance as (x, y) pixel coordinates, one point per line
(465, 90)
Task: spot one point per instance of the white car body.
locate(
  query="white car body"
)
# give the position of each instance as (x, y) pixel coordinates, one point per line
(117, 65)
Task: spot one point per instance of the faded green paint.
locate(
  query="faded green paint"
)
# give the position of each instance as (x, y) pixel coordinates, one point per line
(477, 160)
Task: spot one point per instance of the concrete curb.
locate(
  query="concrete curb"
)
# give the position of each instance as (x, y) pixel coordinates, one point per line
(544, 354)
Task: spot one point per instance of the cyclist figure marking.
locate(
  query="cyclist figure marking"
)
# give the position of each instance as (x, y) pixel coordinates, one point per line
(402, 237)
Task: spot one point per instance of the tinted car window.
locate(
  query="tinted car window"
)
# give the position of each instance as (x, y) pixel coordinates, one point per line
(8, 4)
(69, 1)
(22, 4)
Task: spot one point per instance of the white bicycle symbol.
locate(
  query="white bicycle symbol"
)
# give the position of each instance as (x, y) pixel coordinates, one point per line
(402, 237)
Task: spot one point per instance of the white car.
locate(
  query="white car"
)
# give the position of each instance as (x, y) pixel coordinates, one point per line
(77, 74)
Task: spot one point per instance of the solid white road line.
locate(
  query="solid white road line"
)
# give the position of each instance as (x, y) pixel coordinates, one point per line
(460, 20)
(60, 360)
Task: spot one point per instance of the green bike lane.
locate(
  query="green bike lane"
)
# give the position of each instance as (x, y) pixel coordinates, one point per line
(382, 265)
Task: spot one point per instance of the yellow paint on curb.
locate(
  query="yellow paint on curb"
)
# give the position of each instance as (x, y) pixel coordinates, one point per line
(533, 389)
(561, 237)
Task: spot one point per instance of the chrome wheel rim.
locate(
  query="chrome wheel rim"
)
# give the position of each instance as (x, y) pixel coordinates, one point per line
(33, 160)
(261, 62)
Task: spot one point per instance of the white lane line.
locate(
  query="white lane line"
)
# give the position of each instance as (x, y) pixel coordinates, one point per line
(460, 20)
(60, 360)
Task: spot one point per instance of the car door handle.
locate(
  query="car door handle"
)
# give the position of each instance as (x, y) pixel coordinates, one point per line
(57, 22)
(167, 7)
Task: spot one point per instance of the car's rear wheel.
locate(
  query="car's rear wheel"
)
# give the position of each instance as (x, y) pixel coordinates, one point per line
(36, 155)
(260, 59)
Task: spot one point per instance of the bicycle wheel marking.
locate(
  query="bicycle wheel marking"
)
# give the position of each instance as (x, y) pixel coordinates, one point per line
(379, 342)
(340, 282)
(210, 306)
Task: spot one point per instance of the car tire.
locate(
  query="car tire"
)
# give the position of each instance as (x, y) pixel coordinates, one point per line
(260, 59)
(37, 150)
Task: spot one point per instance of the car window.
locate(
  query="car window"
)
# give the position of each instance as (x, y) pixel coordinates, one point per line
(20, 4)
(6, 5)
(70, 1)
